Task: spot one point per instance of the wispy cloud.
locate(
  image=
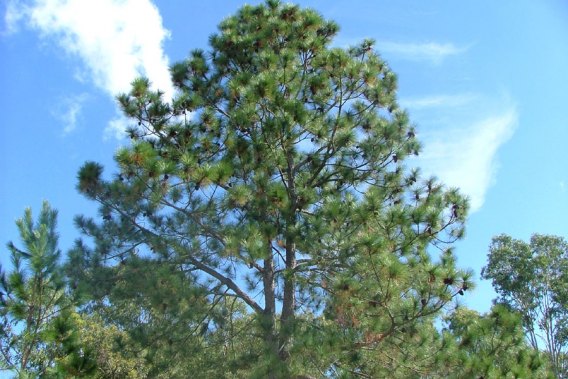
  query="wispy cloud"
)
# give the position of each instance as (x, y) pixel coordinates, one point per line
(69, 111)
(116, 127)
(12, 17)
(116, 40)
(455, 100)
(465, 157)
(433, 52)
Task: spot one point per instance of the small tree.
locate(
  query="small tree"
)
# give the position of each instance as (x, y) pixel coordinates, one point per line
(35, 331)
(532, 278)
(276, 177)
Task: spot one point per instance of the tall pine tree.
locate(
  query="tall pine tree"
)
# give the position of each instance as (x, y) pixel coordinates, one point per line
(276, 177)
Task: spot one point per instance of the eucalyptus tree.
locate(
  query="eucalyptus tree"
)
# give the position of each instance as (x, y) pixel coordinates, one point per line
(276, 177)
(532, 278)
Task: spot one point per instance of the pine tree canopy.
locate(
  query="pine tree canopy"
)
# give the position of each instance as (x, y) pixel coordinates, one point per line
(276, 177)
(263, 222)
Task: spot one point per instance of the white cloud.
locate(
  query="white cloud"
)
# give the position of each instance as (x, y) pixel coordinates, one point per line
(430, 51)
(116, 40)
(116, 127)
(466, 157)
(455, 100)
(12, 17)
(69, 112)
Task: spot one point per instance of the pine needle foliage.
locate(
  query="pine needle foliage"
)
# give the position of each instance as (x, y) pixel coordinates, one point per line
(35, 335)
(276, 177)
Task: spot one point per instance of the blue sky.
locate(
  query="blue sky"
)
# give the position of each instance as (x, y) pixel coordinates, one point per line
(485, 82)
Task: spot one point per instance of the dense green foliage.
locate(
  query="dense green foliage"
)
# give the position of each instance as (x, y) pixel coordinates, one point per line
(532, 278)
(492, 346)
(263, 224)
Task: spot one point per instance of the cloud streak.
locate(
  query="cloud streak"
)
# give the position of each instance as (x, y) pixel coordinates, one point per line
(466, 157)
(427, 102)
(116, 40)
(433, 52)
(69, 112)
(12, 17)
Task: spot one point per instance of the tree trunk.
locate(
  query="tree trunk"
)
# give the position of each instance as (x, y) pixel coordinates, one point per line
(268, 321)
(289, 303)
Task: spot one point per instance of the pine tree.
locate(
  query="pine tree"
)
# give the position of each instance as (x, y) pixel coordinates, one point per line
(36, 332)
(276, 177)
